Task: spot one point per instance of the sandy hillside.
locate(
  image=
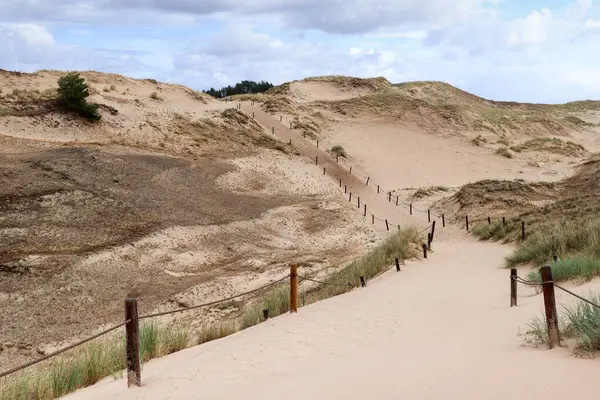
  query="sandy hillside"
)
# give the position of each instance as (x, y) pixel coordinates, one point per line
(176, 199)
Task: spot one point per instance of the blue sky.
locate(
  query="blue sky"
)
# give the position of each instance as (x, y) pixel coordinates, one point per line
(523, 50)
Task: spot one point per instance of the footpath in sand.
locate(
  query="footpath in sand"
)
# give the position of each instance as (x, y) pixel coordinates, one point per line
(441, 328)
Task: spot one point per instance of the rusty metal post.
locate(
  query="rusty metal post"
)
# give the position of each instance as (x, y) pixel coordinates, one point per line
(467, 221)
(523, 230)
(424, 250)
(132, 337)
(266, 314)
(397, 265)
(513, 287)
(293, 288)
(443, 221)
(550, 307)
(387, 225)
(363, 283)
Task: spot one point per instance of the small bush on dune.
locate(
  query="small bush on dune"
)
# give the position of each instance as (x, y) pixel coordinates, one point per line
(338, 151)
(72, 94)
(504, 152)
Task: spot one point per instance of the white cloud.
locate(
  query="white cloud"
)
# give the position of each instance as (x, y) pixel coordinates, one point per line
(534, 29)
(592, 23)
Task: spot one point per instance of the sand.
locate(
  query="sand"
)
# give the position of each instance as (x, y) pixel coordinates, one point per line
(441, 328)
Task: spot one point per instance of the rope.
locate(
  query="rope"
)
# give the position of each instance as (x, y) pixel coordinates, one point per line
(526, 282)
(383, 272)
(214, 302)
(39, 360)
(426, 229)
(576, 295)
(325, 283)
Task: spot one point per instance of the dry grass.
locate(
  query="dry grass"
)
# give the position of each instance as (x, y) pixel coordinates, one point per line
(155, 96)
(428, 191)
(479, 140)
(551, 145)
(338, 151)
(504, 152)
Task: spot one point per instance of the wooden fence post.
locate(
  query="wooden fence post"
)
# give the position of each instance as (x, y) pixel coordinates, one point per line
(428, 215)
(489, 221)
(390, 197)
(365, 213)
(316, 160)
(429, 241)
(432, 230)
(513, 287)
(273, 130)
(350, 197)
(424, 250)
(345, 189)
(467, 221)
(340, 182)
(387, 225)
(323, 170)
(443, 221)
(293, 288)
(317, 144)
(132, 335)
(550, 307)
(410, 208)
(280, 118)
(266, 314)
(377, 189)
(397, 265)
(363, 283)
(523, 230)
(291, 126)
(397, 197)
(358, 201)
(350, 170)
(504, 221)
(372, 218)
(368, 179)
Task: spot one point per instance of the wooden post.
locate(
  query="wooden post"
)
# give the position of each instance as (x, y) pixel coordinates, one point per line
(358, 202)
(429, 241)
(372, 218)
(291, 125)
(489, 221)
(550, 306)
(443, 221)
(132, 335)
(316, 160)
(513, 287)
(504, 221)
(428, 215)
(365, 213)
(387, 225)
(390, 197)
(252, 115)
(345, 189)
(424, 250)
(432, 230)
(397, 197)
(273, 130)
(555, 258)
(368, 179)
(467, 221)
(397, 265)
(323, 170)
(290, 142)
(266, 314)
(317, 144)
(340, 182)
(293, 288)
(377, 189)
(523, 230)
(350, 197)
(350, 170)
(280, 118)
(410, 208)
(363, 283)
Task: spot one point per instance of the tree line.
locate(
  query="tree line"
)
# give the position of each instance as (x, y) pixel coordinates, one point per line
(243, 87)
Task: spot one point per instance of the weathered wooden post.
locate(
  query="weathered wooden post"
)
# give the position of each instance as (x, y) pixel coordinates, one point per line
(523, 230)
(323, 170)
(424, 250)
(504, 221)
(397, 197)
(410, 206)
(340, 182)
(345, 189)
(368, 179)
(350, 170)
(390, 197)
(550, 307)
(377, 189)
(316, 160)
(132, 337)
(387, 225)
(280, 118)
(397, 265)
(291, 126)
(513, 287)
(428, 215)
(350, 197)
(372, 218)
(429, 241)
(266, 314)
(317, 144)
(273, 130)
(365, 212)
(467, 221)
(432, 230)
(363, 283)
(443, 221)
(358, 201)
(293, 288)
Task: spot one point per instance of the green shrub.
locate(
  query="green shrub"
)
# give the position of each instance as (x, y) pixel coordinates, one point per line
(72, 94)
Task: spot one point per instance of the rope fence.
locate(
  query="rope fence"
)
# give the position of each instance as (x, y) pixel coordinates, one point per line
(547, 285)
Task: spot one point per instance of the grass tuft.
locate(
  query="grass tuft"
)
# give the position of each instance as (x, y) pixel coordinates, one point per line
(504, 152)
(339, 151)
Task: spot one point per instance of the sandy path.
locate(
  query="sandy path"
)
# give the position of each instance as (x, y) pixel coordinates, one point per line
(440, 329)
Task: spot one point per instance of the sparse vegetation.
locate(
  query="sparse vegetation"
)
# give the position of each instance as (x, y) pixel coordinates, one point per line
(72, 94)
(579, 321)
(479, 140)
(155, 96)
(551, 145)
(338, 151)
(580, 268)
(504, 152)
(495, 231)
(428, 191)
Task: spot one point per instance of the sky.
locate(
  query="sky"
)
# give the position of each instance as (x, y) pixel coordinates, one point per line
(521, 50)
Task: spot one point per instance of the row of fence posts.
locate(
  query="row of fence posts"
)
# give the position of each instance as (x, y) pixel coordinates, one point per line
(549, 302)
(489, 219)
